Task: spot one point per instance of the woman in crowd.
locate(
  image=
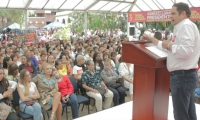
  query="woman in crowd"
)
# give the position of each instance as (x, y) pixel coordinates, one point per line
(98, 63)
(91, 81)
(5, 94)
(126, 72)
(66, 61)
(119, 53)
(28, 95)
(15, 59)
(110, 77)
(6, 62)
(28, 65)
(62, 69)
(48, 90)
(107, 57)
(13, 73)
(67, 92)
(43, 59)
(50, 61)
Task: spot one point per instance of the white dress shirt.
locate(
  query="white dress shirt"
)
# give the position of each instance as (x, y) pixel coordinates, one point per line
(185, 47)
(13, 85)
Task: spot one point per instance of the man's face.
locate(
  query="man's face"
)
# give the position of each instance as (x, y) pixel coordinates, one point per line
(175, 17)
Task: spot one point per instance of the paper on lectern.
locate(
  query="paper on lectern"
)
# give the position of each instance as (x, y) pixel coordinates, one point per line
(157, 51)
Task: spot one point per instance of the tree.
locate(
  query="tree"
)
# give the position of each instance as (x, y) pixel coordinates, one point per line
(12, 16)
(102, 20)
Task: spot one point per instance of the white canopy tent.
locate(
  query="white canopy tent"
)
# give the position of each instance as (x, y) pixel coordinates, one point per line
(13, 26)
(32, 27)
(54, 25)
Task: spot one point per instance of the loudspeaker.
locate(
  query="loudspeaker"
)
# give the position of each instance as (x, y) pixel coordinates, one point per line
(132, 31)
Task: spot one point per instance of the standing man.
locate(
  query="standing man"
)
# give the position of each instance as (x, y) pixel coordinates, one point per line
(183, 55)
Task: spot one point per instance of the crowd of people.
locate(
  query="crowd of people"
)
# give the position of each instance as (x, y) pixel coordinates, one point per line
(41, 73)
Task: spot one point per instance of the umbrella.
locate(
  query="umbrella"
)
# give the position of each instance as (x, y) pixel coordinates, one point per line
(54, 25)
(32, 27)
(13, 26)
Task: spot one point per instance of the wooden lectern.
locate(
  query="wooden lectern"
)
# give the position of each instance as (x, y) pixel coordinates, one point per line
(151, 81)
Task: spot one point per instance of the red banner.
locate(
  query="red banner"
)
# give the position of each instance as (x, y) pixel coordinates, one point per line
(158, 16)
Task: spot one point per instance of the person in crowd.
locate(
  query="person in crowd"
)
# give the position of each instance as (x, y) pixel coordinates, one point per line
(43, 59)
(32, 58)
(98, 63)
(78, 70)
(29, 95)
(110, 77)
(67, 92)
(66, 63)
(182, 59)
(48, 90)
(6, 63)
(54, 53)
(15, 59)
(13, 73)
(101, 51)
(62, 69)
(126, 72)
(37, 54)
(92, 81)
(8, 50)
(50, 61)
(106, 57)
(28, 65)
(119, 53)
(5, 94)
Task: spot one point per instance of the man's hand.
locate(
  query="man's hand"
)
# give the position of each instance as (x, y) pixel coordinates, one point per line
(95, 91)
(146, 37)
(165, 43)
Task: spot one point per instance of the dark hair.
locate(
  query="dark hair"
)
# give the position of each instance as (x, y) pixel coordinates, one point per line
(12, 68)
(182, 7)
(158, 35)
(100, 61)
(4, 82)
(119, 48)
(5, 60)
(57, 62)
(12, 56)
(27, 60)
(61, 55)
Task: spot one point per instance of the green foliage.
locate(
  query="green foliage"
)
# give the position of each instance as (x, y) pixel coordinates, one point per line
(63, 33)
(12, 16)
(98, 21)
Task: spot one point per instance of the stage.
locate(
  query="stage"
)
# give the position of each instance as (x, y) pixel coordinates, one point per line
(124, 112)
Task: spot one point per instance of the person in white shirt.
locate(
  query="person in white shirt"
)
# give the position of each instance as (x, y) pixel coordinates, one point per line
(126, 72)
(183, 55)
(28, 95)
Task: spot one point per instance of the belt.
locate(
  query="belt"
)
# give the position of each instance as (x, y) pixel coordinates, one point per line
(182, 71)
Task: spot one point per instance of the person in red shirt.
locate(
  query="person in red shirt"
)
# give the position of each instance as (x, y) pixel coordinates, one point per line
(67, 92)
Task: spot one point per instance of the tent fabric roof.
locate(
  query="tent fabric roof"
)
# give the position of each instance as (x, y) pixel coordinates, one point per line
(94, 5)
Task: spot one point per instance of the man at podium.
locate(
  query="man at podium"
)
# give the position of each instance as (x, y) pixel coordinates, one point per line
(182, 59)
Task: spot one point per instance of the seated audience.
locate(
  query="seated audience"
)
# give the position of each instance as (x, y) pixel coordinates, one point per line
(67, 92)
(5, 94)
(13, 73)
(28, 96)
(28, 65)
(48, 90)
(95, 87)
(110, 78)
(126, 72)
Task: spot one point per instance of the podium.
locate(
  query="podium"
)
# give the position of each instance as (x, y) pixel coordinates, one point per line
(151, 81)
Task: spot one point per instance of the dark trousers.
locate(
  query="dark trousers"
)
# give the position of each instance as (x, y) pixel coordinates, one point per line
(183, 84)
(119, 95)
(74, 104)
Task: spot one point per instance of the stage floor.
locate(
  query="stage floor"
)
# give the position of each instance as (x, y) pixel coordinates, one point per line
(124, 112)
